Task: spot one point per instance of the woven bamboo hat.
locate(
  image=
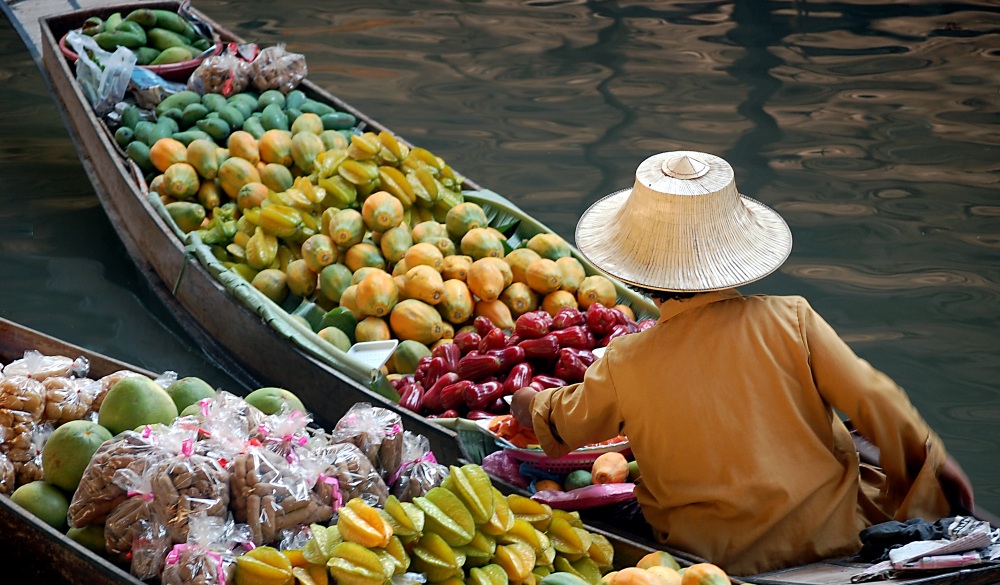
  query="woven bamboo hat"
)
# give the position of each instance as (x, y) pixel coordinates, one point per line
(683, 227)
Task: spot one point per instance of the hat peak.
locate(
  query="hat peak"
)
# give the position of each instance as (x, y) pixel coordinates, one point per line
(684, 166)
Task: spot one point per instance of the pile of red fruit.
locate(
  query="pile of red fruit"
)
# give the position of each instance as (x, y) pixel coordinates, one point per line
(470, 377)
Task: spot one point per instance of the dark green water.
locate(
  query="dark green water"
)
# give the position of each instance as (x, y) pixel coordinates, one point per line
(872, 127)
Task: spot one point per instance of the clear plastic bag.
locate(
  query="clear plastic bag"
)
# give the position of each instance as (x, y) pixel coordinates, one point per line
(38, 366)
(343, 472)
(98, 494)
(420, 472)
(276, 68)
(133, 532)
(27, 460)
(272, 495)
(68, 399)
(187, 483)
(377, 431)
(21, 394)
(7, 475)
(103, 76)
(206, 558)
(224, 74)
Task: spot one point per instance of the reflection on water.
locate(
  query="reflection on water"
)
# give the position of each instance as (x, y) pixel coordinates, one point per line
(872, 127)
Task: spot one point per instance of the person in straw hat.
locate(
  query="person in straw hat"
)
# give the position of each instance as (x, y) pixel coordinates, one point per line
(731, 402)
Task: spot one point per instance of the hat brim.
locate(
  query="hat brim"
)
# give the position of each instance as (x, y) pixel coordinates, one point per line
(710, 257)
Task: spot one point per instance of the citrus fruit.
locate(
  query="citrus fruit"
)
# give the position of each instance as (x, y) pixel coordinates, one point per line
(45, 501)
(577, 479)
(547, 484)
(269, 400)
(90, 536)
(68, 451)
(133, 402)
(188, 391)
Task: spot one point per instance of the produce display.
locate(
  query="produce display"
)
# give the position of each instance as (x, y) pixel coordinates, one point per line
(156, 37)
(231, 494)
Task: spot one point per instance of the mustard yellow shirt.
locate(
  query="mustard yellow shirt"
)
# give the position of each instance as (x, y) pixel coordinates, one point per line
(729, 405)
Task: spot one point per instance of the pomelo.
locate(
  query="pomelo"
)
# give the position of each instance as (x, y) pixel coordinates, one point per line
(133, 402)
(269, 400)
(90, 536)
(45, 501)
(188, 391)
(68, 451)
(577, 479)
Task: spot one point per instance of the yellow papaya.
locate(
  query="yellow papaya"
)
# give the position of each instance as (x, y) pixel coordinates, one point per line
(251, 195)
(395, 242)
(558, 299)
(372, 329)
(456, 266)
(549, 246)
(416, 320)
(319, 252)
(305, 147)
(364, 254)
(236, 172)
(201, 155)
(428, 230)
(243, 145)
(180, 181)
(301, 279)
(543, 276)
(596, 289)
(277, 177)
(347, 228)
(165, 152)
(572, 273)
(377, 294)
(426, 254)
(464, 217)
(275, 146)
(425, 284)
(485, 280)
(519, 260)
(519, 298)
(381, 211)
(496, 311)
(480, 243)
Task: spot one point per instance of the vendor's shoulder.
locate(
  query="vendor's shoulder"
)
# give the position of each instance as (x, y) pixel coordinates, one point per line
(788, 302)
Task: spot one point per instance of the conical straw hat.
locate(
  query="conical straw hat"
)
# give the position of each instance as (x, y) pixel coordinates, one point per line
(683, 227)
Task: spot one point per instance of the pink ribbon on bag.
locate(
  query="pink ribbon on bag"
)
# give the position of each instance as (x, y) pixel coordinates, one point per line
(427, 457)
(173, 557)
(337, 499)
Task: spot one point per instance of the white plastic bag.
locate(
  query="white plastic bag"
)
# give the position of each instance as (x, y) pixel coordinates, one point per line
(102, 76)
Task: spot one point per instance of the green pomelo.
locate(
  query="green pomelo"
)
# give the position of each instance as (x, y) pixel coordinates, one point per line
(68, 450)
(269, 400)
(188, 391)
(45, 501)
(577, 479)
(633, 471)
(90, 536)
(133, 402)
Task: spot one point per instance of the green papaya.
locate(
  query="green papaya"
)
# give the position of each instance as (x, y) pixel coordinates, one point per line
(187, 215)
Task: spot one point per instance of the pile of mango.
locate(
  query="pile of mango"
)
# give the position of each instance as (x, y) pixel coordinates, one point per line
(156, 37)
